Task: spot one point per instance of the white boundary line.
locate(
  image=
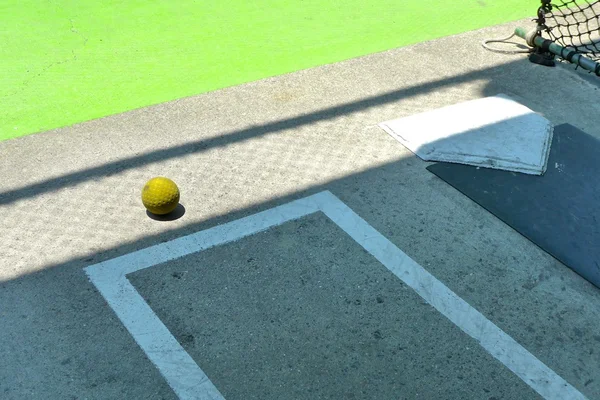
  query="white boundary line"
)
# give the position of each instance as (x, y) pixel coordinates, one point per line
(190, 383)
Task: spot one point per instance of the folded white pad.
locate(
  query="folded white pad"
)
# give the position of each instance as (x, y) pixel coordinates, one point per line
(492, 132)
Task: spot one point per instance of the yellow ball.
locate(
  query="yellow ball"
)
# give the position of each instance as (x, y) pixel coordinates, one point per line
(160, 195)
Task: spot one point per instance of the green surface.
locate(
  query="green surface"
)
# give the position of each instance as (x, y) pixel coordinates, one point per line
(67, 61)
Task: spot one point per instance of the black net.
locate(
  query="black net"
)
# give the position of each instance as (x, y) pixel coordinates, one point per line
(573, 23)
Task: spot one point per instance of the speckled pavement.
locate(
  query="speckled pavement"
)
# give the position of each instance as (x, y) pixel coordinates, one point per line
(71, 197)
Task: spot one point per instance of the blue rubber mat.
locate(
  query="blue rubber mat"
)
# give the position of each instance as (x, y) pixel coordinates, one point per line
(559, 211)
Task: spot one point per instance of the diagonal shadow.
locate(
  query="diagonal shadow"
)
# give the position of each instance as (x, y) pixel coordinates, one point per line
(75, 178)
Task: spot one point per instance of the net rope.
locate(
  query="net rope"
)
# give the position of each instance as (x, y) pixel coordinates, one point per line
(573, 23)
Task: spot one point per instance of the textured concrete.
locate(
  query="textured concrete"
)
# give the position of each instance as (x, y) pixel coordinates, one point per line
(70, 198)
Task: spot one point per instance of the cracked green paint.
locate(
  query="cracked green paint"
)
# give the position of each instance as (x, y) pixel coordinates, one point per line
(67, 61)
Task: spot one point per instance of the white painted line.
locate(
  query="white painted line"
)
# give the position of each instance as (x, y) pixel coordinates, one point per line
(182, 374)
(190, 383)
(504, 348)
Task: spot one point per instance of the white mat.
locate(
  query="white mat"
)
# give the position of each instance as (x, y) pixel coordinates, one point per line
(492, 132)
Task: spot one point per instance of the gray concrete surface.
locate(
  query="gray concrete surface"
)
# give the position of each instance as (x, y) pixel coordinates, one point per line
(302, 311)
(70, 198)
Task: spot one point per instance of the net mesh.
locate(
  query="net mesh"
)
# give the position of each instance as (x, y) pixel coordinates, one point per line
(573, 23)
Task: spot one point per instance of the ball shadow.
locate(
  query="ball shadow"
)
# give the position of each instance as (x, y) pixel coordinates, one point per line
(172, 216)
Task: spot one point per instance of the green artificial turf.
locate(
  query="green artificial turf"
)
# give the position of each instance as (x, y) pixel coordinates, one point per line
(67, 61)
